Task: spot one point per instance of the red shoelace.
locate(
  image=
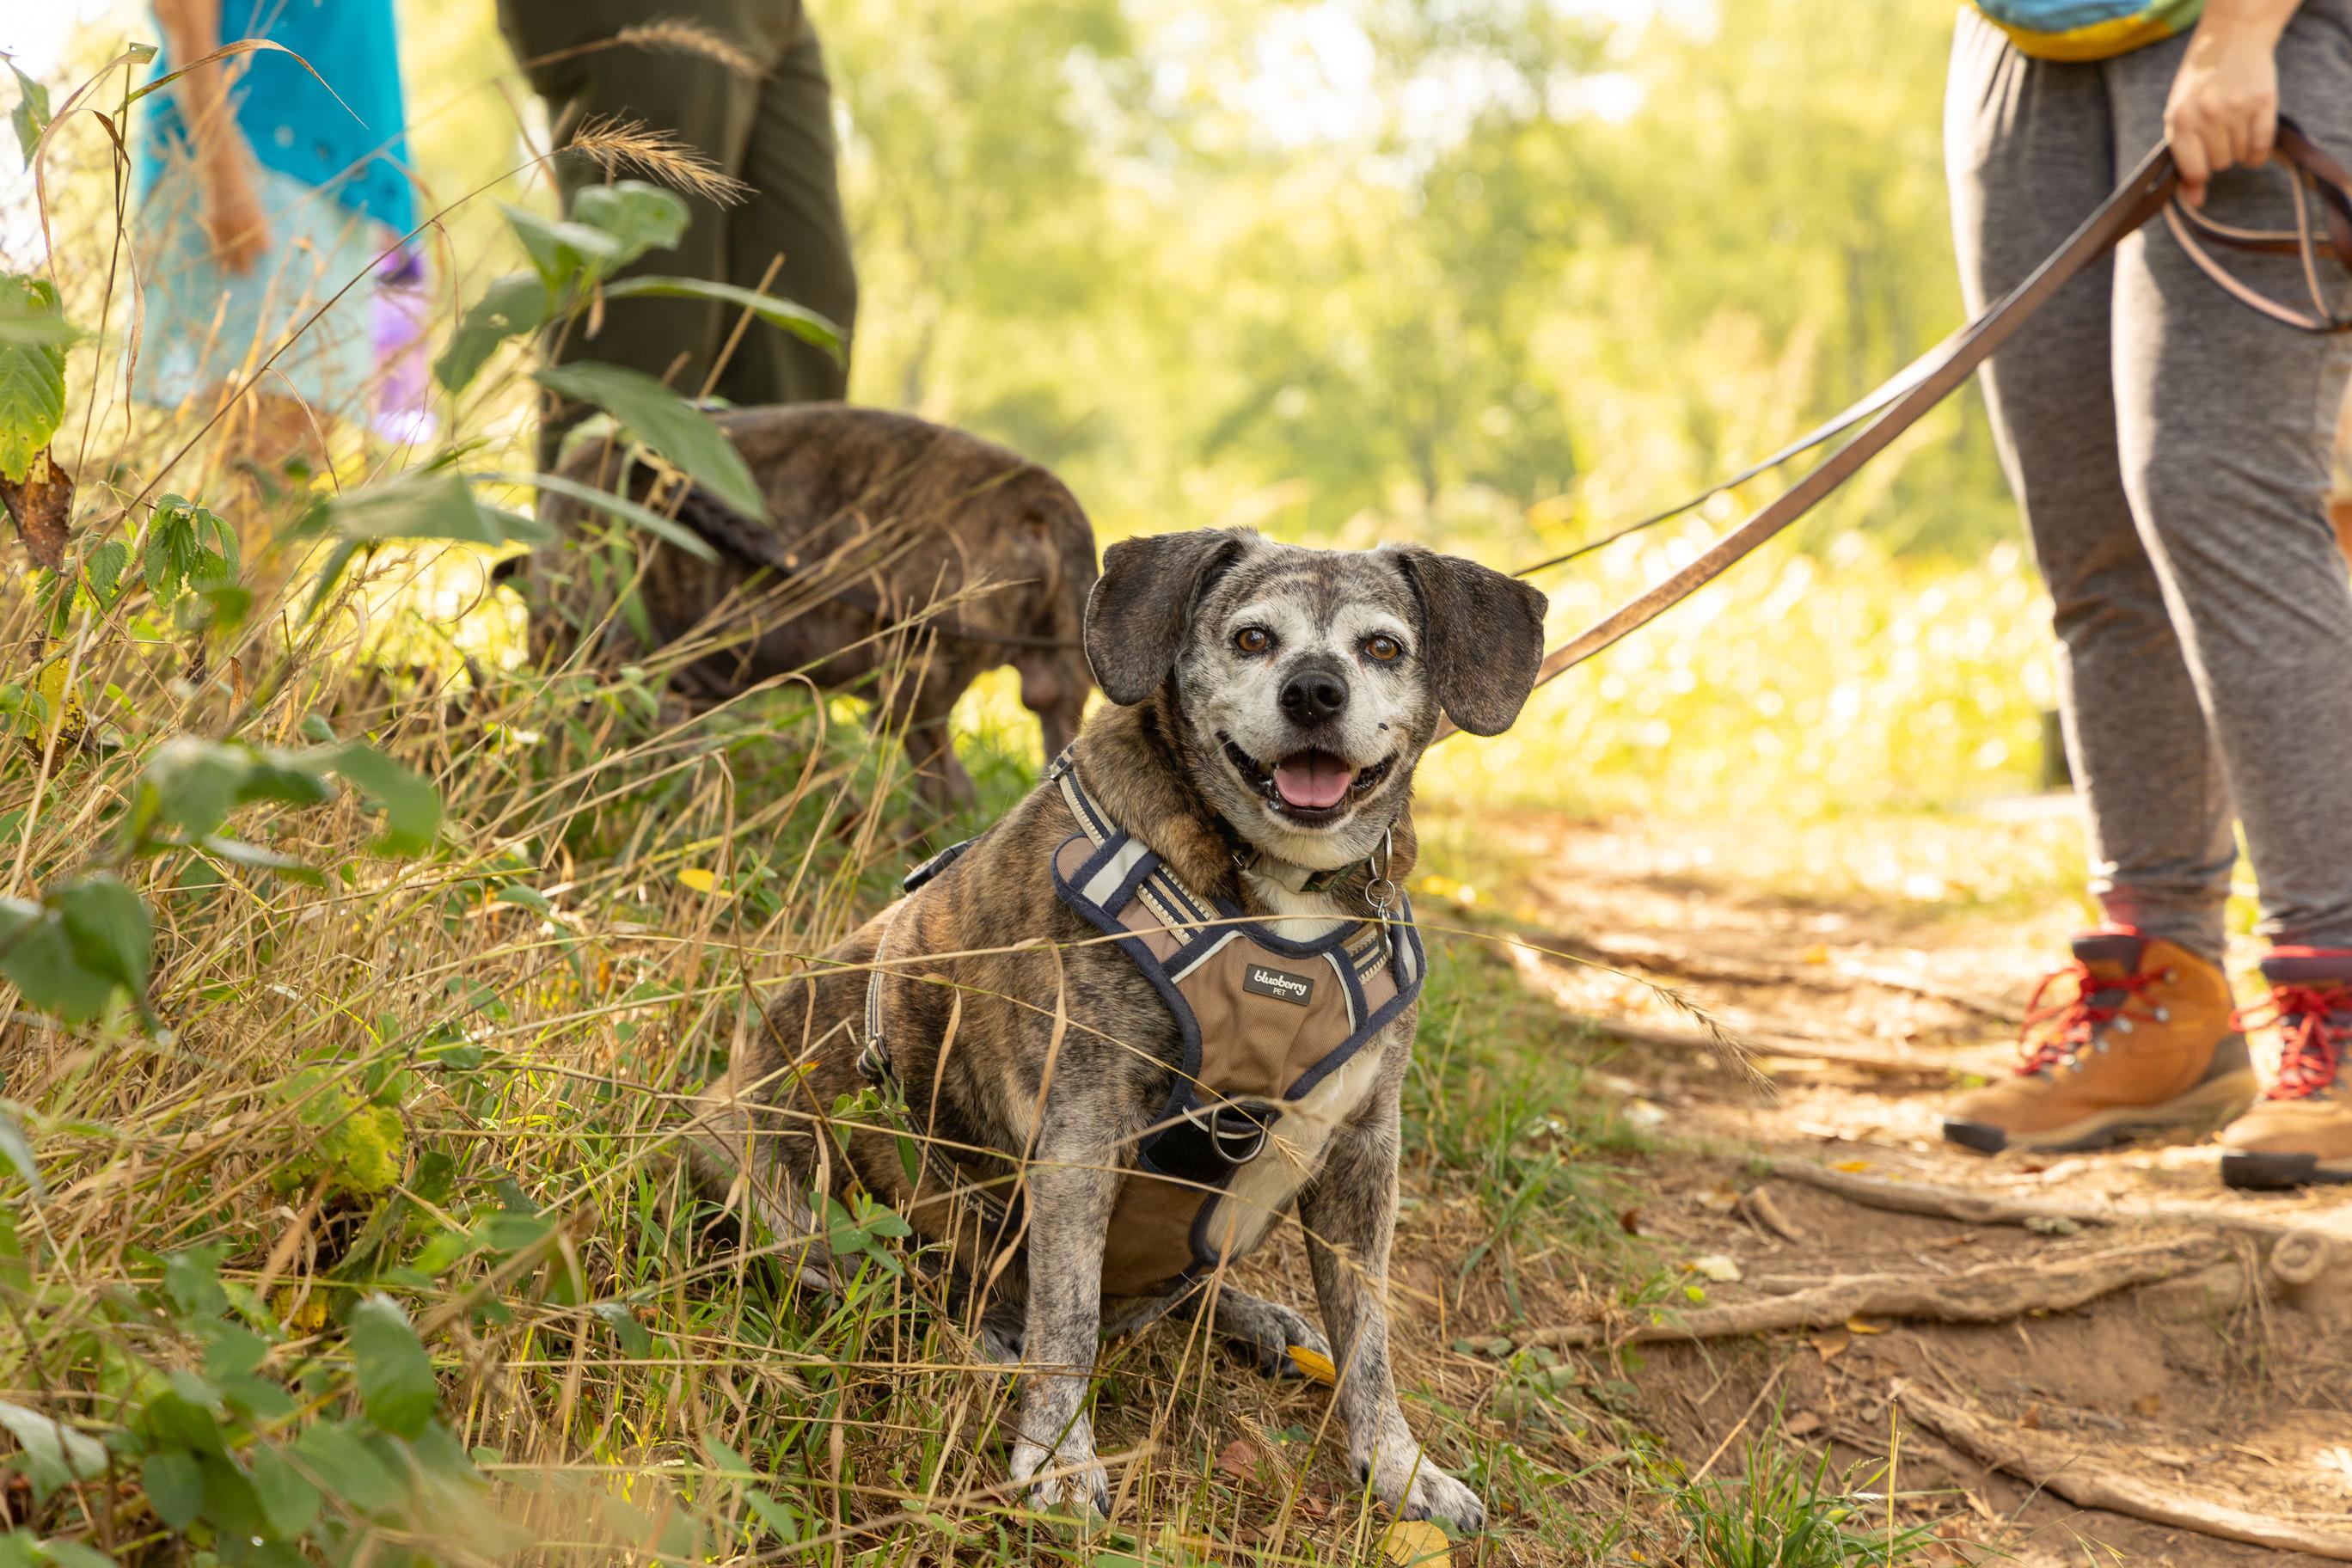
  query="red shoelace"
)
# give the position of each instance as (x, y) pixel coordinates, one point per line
(2078, 1018)
(2313, 1043)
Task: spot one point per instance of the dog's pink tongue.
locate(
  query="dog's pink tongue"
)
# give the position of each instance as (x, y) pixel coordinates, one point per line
(1313, 780)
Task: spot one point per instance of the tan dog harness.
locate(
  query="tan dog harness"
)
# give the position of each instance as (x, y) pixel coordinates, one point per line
(1263, 1021)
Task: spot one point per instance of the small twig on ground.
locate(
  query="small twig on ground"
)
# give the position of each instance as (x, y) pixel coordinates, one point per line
(1741, 1425)
(2063, 1467)
(1990, 1293)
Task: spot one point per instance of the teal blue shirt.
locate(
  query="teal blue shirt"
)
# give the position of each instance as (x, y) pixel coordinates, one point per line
(2088, 29)
(355, 151)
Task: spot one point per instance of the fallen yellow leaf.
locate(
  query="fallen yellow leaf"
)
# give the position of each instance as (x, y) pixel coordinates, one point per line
(1858, 1326)
(1315, 1364)
(1851, 1166)
(701, 880)
(1416, 1542)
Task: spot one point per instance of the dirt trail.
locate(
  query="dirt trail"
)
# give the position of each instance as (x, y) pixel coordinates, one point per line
(2220, 1389)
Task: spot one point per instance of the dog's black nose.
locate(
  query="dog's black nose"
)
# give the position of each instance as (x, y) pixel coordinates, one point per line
(1311, 696)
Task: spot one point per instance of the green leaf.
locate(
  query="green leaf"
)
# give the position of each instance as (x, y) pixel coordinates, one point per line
(108, 925)
(514, 305)
(18, 1150)
(411, 806)
(635, 1341)
(289, 1502)
(523, 897)
(31, 115)
(174, 1486)
(396, 1384)
(798, 320)
(340, 1461)
(230, 1506)
(668, 529)
(191, 783)
(438, 504)
(666, 423)
(74, 1554)
(32, 378)
(103, 567)
(37, 956)
(562, 252)
(638, 216)
(49, 1442)
(192, 1279)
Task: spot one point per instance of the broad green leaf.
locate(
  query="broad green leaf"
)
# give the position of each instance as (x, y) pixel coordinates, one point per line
(78, 1454)
(340, 1461)
(289, 1502)
(103, 566)
(411, 806)
(666, 422)
(509, 308)
(31, 115)
(798, 320)
(395, 1376)
(74, 1554)
(638, 216)
(108, 925)
(17, 1151)
(668, 529)
(174, 1486)
(231, 1507)
(192, 1279)
(561, 251)
(38, 958)
(32, 378)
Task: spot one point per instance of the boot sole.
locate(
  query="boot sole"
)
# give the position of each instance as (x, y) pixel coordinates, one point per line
(2254, 1171)
(2207, 1105)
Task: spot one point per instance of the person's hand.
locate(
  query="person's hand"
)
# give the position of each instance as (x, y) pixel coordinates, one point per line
(2223, 110)
(235, 220)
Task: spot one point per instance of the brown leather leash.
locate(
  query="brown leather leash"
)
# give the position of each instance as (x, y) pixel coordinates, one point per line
(2320, 183)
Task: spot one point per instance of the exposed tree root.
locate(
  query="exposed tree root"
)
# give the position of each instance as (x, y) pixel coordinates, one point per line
(1990, 1293)
(1984, 1208)
(2060, 1464)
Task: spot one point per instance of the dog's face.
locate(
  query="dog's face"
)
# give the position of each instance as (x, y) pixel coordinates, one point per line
(1309, 681)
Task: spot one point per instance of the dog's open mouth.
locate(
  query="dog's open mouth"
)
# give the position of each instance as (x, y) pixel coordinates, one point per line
(1311, 785)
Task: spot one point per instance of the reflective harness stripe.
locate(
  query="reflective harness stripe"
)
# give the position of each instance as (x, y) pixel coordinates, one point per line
(1263, 1020)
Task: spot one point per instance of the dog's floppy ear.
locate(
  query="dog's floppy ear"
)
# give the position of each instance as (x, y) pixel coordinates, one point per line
(1484, 636)
(1139, 607)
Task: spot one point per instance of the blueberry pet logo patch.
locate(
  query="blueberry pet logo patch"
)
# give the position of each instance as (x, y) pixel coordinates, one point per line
(1280, 982)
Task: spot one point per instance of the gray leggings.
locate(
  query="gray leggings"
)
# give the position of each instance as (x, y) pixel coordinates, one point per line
(2170, 450)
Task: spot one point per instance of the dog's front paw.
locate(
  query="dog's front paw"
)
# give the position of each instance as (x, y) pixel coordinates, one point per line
(1070, 1479)
(1409, 1482)
(1434, 1494)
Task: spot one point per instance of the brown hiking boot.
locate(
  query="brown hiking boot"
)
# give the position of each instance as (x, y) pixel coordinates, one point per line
(2135, 1033)
(2301, 1132)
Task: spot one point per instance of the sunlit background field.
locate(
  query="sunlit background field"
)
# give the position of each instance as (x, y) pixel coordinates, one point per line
(1494, 278)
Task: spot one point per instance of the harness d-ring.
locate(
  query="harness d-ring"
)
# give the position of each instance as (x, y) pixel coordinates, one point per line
(1381, 891)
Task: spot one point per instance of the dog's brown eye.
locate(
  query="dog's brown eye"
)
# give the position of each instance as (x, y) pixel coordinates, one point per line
(1386, 650)
(1253, 640)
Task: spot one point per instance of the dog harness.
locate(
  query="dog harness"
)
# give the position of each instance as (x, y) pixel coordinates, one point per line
(1264, 1022)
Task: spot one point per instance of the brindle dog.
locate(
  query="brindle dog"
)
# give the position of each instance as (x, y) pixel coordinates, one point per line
(880, 520)
(1271, 705)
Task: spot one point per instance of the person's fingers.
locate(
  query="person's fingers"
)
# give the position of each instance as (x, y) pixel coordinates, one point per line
(2263, 139)
(2188, 157)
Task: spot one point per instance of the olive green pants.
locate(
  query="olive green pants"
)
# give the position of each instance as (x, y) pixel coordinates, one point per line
(770, 128)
